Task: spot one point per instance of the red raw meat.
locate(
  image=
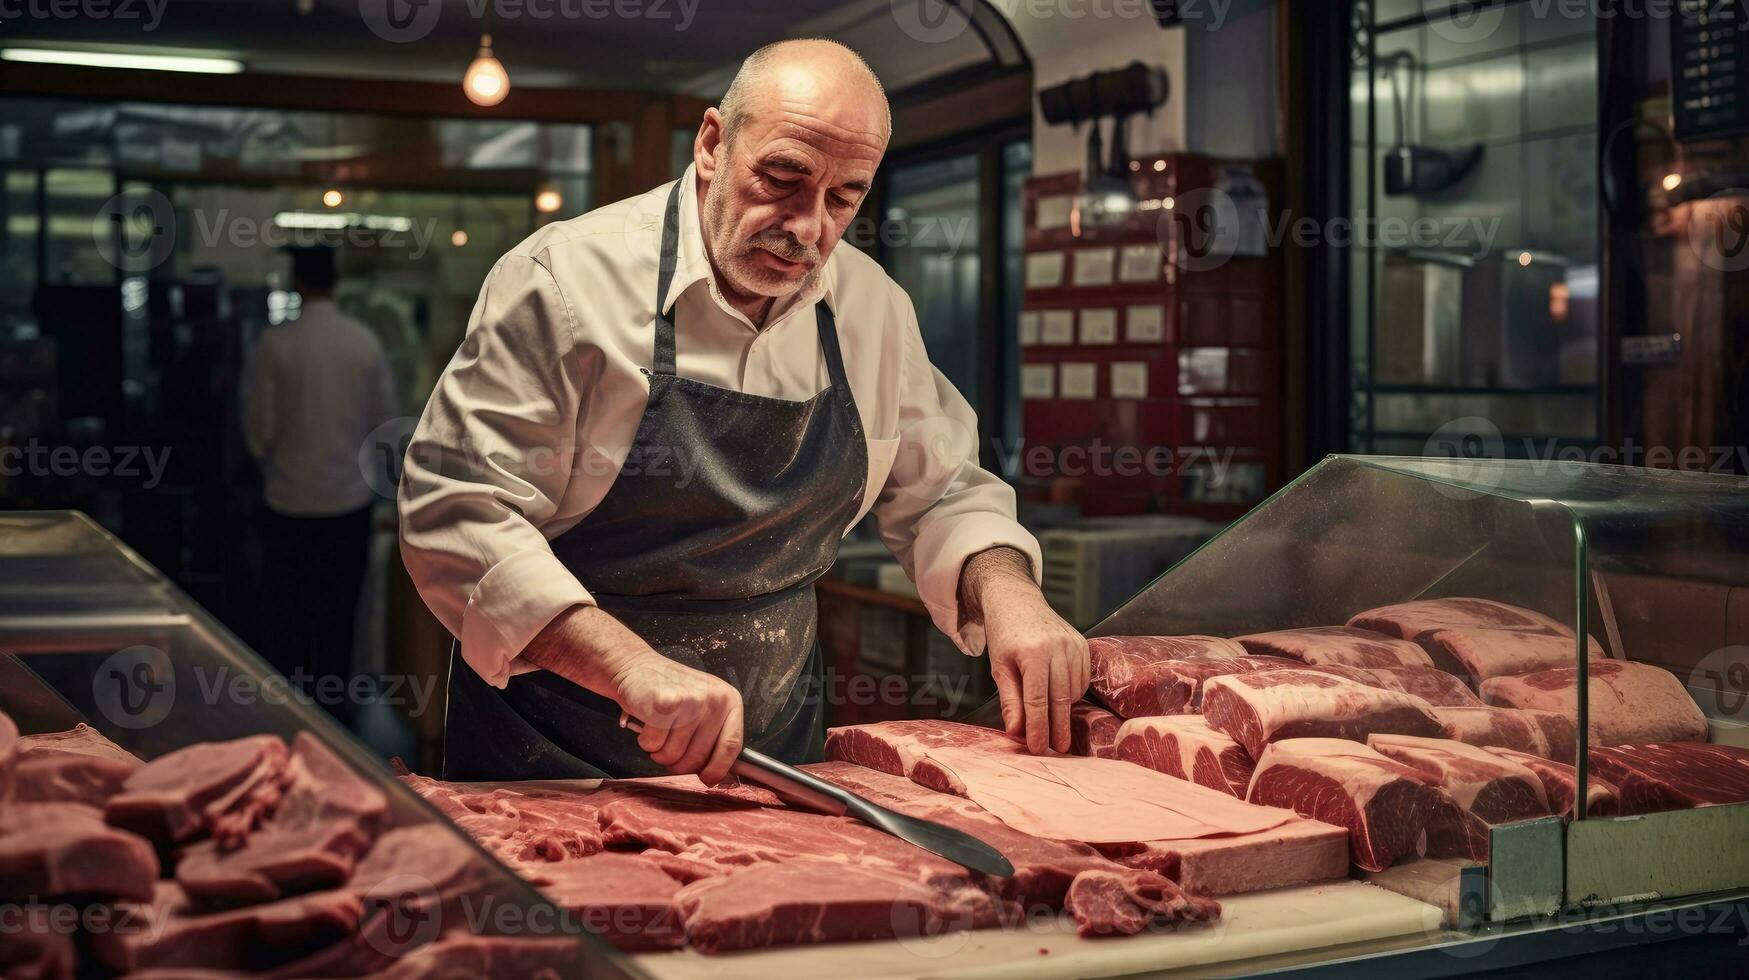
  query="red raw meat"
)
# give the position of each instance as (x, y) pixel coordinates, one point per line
(1673, 775)
(1385, 805)
(1484, 789)
(1508, 728)
(1123, 903)
(1295, 853)
(902, 748)
(202, 787)
(1256, 709)
(1559, 781)
(1342, 646)
(626, 899)
(1430, 684)
(1092, 730)
(1630, 703)
(1139, 676)
(34, 947)
(168, 931)
(8, 753)
(81, 739)
(50, 849)
(55, 776)
(1185, 746)
(465, 956)
(1478, 638)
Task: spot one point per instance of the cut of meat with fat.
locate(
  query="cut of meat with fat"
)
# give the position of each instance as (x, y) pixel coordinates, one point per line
(170, 931)
(626, 899)
(1259, 708)
(1430, 684)
(1673, 775)
(51, 849)
(1185, 746)
(1384, 805)
(1092, 730)
(1140, 676)
(81, 739)
(1509, 728)
(57, 776)
(1559, 781)
(902, 748)
(1295, 853)
(1123, 903)
(200, 788)
(35, 947)
(1629, 703)
(1343, 646)
(1412, 620)
(1478, 638)
(1484, 789)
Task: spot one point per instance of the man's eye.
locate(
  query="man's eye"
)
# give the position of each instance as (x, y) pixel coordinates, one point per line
(839, 202)
(782, 185)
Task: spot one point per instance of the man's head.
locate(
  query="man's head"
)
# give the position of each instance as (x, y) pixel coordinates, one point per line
(313, 270)
(785, 162)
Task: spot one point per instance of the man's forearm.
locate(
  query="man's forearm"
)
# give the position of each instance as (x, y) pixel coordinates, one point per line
(588, 647)
(996, 568)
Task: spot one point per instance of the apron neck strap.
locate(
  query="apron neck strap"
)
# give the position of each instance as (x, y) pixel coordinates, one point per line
(663, 360)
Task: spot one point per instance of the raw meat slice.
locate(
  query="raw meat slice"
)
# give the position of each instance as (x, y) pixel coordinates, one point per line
(1485, 788)
(168, 931)
(902, 748)
(1430, 684)
(271, 864)
(626, 899)
(176, 796)
(1478, 638)
(1484, 726)
(1559, 781)
(33, 946)
(1412, 620)
(1295, 853)
(1384, 804)
(1630, 703)
(1673, 775)
(84, 740)
(56, 776)
(49, 849)
(1139, 676)
(1092, 730)
(463, 956)
(1343, 646)
(320, 787)
(1123, 903)
(784, 904)
(1185, 746)
(1256, 709)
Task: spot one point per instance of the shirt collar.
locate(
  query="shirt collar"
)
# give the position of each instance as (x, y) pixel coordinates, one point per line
(692, 266)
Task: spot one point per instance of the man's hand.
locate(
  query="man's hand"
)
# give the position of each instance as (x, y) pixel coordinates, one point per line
(692, 719)
(1038, 661)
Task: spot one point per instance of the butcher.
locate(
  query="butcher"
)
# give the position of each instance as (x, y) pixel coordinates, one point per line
(664, 416)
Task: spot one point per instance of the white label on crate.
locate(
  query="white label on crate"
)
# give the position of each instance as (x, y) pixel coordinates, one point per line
(1099, 326)
(1129, 379)
(1145, 324)
(1058, 328)
(1029, 328)
(1053, 211)
(1044, 270)
(1094, 266)
(1079, 381)
(1139, 263)
(1038, 381)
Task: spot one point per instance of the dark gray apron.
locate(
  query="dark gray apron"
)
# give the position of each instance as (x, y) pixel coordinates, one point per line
(716, 571)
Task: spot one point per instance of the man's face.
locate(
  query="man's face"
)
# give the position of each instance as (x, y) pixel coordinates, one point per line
(782, 194)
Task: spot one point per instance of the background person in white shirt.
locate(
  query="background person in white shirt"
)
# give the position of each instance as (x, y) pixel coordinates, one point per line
(317, 386)
(663, 418)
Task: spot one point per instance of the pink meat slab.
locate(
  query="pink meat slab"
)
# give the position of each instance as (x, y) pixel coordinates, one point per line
(178, 795)
(170, 931)
(81, 739)
(1259, 708)
(1295, 853)
(1559, 781)
(1674, 775)
(1630, 703)
(1383, 804)
(466, 955)
(57, 776)
(902, 748)
(1484, 788)
(51, 849)
(1412, 620)
(1139, 676)
(1092, 730)
(1124, 902)
(1479, 654)
(627, 899)
(1509, 728)
(1186, 747)
(1430, 684)
(35, 947)
(1343, 646)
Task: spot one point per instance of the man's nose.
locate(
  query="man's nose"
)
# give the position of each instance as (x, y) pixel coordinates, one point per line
(806, 219)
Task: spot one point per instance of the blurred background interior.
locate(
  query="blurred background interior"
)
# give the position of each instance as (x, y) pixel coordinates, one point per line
(1246, 241)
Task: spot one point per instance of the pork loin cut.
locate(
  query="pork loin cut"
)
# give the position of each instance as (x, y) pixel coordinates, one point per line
(203, 787)
(1412, 620)
(902, 748)
(1485, 725)
(1092, 730)
(51, 849)
(1259, 708)
(1185, 746)
(1630, 703)
(1482, 638)
(1430, 684)
(1140, 676)
(81, 739)
(1344, 646)
(1384, 805)
(1295, 853)
(56, 776)
(1124, 902)
(1484, 789)
(1673, 775)
(1559, 781)
(625, 898)
(170, 931)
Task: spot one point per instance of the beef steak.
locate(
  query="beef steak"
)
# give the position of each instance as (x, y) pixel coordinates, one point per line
(1630, 703)
(1384, 804)
(1258, 708)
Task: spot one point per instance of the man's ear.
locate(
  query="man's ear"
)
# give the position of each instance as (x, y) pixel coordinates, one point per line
(707, 146)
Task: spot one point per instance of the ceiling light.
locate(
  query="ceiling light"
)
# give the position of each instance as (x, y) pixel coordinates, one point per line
(548, 201)
(1672, 181)
(144, 62)
(458, 238)
(486, 83)
(1525, 258)
(333, 198)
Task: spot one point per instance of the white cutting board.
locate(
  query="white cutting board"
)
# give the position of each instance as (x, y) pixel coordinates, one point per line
(1285, 920)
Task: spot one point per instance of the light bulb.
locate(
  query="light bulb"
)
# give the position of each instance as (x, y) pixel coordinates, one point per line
(333, 198)
(1672, 181)
(486, 83)
(458, 238)
(548, 201)
(1525, 259)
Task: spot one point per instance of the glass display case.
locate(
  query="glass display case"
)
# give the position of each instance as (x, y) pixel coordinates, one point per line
(1645, 577)
(91, 635)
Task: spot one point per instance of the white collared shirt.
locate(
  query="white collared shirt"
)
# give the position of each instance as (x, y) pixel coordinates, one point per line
(530, 422)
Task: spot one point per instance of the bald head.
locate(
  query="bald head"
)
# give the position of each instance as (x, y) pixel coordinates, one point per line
(783, 164)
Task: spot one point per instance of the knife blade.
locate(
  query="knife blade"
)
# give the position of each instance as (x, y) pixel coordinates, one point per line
(813, 793)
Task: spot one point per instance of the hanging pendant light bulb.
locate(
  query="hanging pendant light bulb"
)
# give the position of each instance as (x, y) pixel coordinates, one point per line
(486, 83)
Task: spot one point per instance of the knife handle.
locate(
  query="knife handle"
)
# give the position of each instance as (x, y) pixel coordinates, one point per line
(792, 784)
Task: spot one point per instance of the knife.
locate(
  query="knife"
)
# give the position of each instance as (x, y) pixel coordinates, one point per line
(813, 793)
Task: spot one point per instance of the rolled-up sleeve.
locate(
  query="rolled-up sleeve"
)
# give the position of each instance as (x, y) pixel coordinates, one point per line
(939, 507)
(488, 464)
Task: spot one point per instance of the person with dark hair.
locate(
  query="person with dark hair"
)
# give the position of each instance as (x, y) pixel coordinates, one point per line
(317, 386)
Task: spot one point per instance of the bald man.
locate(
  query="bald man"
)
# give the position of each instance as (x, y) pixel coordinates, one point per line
(664, 417)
